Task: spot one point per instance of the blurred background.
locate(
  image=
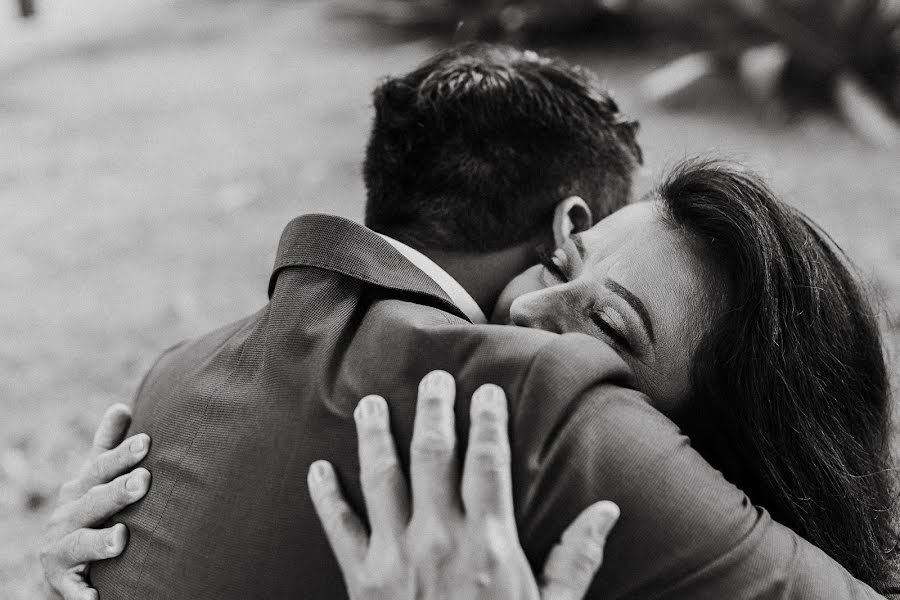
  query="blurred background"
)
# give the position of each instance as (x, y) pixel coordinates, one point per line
(152, 150)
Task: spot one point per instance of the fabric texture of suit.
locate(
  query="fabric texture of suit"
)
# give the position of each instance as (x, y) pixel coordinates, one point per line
(238, 415)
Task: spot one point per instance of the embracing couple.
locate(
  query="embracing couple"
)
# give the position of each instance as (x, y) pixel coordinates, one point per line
(704, 359)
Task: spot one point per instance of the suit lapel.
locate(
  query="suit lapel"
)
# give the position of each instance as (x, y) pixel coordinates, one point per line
(342, 246)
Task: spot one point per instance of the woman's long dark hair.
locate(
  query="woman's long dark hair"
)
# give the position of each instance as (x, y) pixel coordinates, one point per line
(790, 396)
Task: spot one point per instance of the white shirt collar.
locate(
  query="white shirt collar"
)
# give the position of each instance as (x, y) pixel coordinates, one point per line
(457, 293)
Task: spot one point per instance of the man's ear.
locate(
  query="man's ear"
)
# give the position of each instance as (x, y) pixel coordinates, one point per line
(572, 215)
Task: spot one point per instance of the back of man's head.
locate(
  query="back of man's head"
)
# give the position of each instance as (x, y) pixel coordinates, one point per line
(472, 151)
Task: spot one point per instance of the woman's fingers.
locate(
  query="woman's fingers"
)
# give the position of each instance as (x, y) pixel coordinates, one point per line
(63, 559)
(103, 467)
(574, 561)
(112, 428)
(90, 545)
(487, 483)
(103, 501)
(74, 587)
(345, 532)
(433, 465)
(98, 492)
(104, 455)
(383, 483)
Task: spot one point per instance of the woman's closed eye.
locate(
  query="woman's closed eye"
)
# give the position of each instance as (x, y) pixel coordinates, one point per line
(609, 322)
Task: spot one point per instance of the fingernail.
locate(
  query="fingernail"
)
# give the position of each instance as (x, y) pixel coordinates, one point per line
(490, 397)
(437, 382)
(605, 521)
(369, 407)
(319, 472)
(138, 443)
(116, 541)
(135, 483)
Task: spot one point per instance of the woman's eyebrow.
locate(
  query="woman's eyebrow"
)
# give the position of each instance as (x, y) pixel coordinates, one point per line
(635, 303)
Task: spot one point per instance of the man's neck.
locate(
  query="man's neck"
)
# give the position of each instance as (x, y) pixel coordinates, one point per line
(484, 275)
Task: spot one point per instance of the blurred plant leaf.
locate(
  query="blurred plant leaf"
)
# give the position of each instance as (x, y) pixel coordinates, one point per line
(761, 69)
(668, 82)
(798, 25)
(864, 112)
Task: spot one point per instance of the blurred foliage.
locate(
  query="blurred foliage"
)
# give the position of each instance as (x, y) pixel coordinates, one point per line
(798, 54)
(789, 54)
(507, 20)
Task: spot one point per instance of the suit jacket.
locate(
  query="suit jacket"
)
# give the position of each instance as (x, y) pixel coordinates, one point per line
(238, 415)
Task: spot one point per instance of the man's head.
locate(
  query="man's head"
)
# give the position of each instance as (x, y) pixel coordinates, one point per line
(474, 150)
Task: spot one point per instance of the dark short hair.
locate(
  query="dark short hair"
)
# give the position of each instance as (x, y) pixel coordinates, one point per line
(790, 396)
(472, 150)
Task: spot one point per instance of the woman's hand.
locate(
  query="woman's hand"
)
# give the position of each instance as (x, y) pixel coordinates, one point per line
(100, 490)
(453, 543)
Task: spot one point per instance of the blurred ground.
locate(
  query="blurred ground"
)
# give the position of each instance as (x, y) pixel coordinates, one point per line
(148, 165)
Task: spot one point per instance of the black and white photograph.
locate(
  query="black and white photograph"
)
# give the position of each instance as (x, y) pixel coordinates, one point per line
(450, 300)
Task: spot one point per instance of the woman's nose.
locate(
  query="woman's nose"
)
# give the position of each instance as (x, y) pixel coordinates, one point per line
(540, 310)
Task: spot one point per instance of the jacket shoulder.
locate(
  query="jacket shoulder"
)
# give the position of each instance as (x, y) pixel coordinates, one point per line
(179, 362)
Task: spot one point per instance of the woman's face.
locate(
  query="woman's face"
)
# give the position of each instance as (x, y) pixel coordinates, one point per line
(633, 282)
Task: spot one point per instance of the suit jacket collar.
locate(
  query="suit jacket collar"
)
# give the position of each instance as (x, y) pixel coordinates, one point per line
(342, 246)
